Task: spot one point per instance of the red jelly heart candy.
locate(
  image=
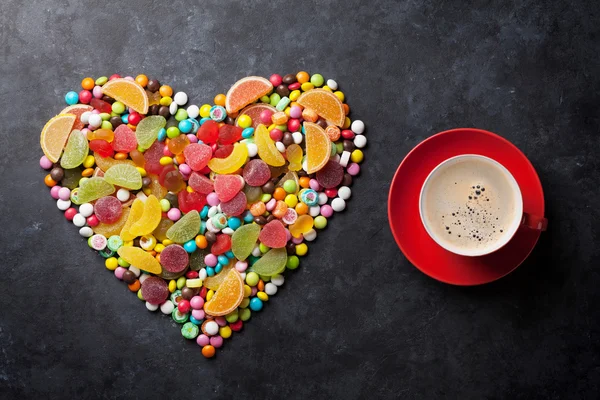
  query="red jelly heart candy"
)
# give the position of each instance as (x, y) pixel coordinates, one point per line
(221, 245)
(108, 209)
(223, 151)
(273, 235)
(208, 132)
(191, 201)
(197, 155)
(227, 186)
(124, 140)
(200, 183)
(152, 157)
(256, 172)
(174, 258)
(330, 175)
(155, 290)
(101, 147)
(229, 134)
(235, 206)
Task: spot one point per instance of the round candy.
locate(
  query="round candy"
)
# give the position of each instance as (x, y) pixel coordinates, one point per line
(256, 172)
(174, 258)
(108, 209)
(155, 290)
(358, 127)
(338, 204)
(330, 175)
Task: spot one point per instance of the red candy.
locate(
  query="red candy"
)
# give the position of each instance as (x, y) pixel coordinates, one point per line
(227, 186)
(171, 178)
(273, 235)
(134, 118)
(200, 183)
(197, 155)
(192, 274)
(221, 245)
(155, 290)
(85, 96)
(152, 157)
(102, 147)
(235, 206)
(256, 172)
(223, 151)
(101, 105)
(208, 132)
(184, 306)
(108, 209)
(70, 213)
(124, 140)
(92, 221)
(229, 134)
(191, 201)
(330, 175)
(275, 80)
(174, 258)
(237, 325)
(293, 125)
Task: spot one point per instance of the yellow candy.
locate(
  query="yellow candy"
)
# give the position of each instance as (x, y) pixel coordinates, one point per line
(172, 285)
(225, 332)
(150, 218)
(294, 155)
(111, 263)
(89, 161)
(194, 283)
(245, 302)
(266, 147)
(209, 295)
(301, 249)
(147, 242)
(306, 86)
(167, 242)
(247, 291)
(263, 296)
(294, 95)
(159, 248)
(165, 101)
(357, 156)
(303, 224)
(205, 110)
(347, 123)
(340, 95)
(142, 171)
(165, 160)
(291, 200)
(140, 258)
(233, 162)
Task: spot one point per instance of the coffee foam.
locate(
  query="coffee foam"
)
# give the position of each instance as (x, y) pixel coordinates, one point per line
(469, 204)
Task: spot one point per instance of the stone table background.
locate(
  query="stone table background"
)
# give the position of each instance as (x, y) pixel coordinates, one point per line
(356, 320)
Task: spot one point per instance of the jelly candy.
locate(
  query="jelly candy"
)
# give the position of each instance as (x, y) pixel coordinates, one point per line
(232, 163)
(94, 188)
(147, 130)
(325, 104)
(178, 144)
(104, 163)
(71, 178)
(214, 282)
(221, 245)
(243, 240)
(197, 155)
(125, 176)
(246, 91)
(76, 150)
(223, 151)
(254, 111)
(174, 258)
(229, 134)
(273, 234)
(124, 140)
(55, 134)
(128, 92)
(137, 209)
(152, 158)
(235, 206)
(171, 179)
(318, 147)
(160, 233)
(101, 134)
(77, 110)
(108, 209)
(140, 259)
(228, 297)
(256, 173)
(158, 190)
(200, 183)
(197, 259)
(266, 147)
(109, 230)
(208, 132)
(303, 224)
(191, 201)
(271, 263)
(186, 228)
(294, 156)
(155, 290)
(101, 105)
(330, 175)
(101, 147)
(252, 193)
(150, 218)
(227, 186)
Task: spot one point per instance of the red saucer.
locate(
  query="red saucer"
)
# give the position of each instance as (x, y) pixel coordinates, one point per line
(408, 230)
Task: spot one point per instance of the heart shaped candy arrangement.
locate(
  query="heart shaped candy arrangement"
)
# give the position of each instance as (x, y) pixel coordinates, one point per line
(200, 210)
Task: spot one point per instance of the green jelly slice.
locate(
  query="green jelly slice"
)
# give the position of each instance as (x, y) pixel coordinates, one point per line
(125, 176)
(147, 130)
(243, 240)
(186, 228)
(271, 263)
(94, 188)
(76, 150)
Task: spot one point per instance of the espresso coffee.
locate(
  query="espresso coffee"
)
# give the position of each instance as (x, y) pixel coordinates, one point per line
(471, 205)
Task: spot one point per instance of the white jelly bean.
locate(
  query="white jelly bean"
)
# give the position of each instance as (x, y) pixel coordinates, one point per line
(85, 117)
(86, 209)
(63, 204)
(193, 111)
(338, 204)
(358, 127)
(344, 192)
(277, 279)
(167, 307)
(212, 211)
(202, 274)
(180, 98)
(280, 146)
(298, 137)
(310, 235)
(86, 232)
(360, 141)
(151, 307)
(79, 220)
(173, 108)
(123, 195)
(227, 231)
(256, 251)
(243, 275)
(332, 84)
(270, 289)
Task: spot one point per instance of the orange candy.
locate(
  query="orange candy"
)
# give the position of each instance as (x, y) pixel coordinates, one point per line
(87, 172)
(220, 100)
(304, 182)
(325, 104)
(258, 208)
(88, 83)
(346, 108)
(279, 194)
(229, 295)
(49, 181)
(208, 351)
(301, 208)
(309, 115)
(135, 286)
(333, 132)
(165, 91)
(142, 80)
(302, 77)
(201, 242)
(120, 156)
(280, 209)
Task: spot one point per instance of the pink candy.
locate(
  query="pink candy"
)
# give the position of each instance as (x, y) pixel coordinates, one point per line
(64, 193)
(97, 92)
(326, 211)
(119, 271)
(210, 260)
(197, 302)
(202, 340)
(353, 169)
(216, 341)
(212, 199)
(241, 266)
(314, 185)
(45, 163)
(295, 112)
(198, 314)
(54, 192)
(174, 214)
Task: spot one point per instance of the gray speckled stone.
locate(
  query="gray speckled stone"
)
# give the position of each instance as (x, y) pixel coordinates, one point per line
(356, 320)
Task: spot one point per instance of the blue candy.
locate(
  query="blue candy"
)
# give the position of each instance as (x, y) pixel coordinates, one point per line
(162, 135)
(218, 268)
(256, 304)
(190, 246)
(248, 133)
(234, 223)
(230, 254)
(223, 260)
(204, 212)
(210, 271)
(185, 126)
(72, 98)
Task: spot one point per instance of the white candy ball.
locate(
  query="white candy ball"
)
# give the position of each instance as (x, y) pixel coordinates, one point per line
(202, 274)
(310, 235)
(322, 198)
(338, 204)
(167, 307)
(193, 111)
(94, 120)
(243, 275)
(270, 289)
(79, 220)
(344, 192)
(360, 141)
(86, 232)
(86, 209)
(123, 195)
(256, 251)
(252, 149)
(212, 211)
(180, 98)
(85, 117)
(298, 137)
(173, 108)
(280, 146)
(211, 328)
(63, 204)
(277, 280)
(332, 84)
(151, 307)
(135, 270)
(227, 231)
(143, 277)
(314, 211)
(358, 127)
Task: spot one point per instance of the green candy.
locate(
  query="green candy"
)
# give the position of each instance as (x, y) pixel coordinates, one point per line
(317, 80)
(181, 282)
(245, 314)
(292, 262)
(181, 115)
(118, 107)
(179, 317)
(289, 186)
(101, 81)
(189, 330)
(147, 130)
(243, 240)
(186, 228)
(173, 132)
(232, 317)
(274, 99)
(271, 263)
(114, 243)
(320, 222)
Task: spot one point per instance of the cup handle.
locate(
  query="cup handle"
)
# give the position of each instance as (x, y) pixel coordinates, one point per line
(534, 222)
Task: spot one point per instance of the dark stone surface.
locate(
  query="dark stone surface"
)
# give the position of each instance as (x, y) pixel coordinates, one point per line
(356, 320)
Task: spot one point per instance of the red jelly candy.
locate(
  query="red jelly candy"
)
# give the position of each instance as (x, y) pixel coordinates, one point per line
(256, 172)
(191, 201)
(235, 206)
(171, 179)
(223, 151)
(108, 209)
(152, 157)
(330, 175)
(208, 132)
(273, 234)
(200, 183)
(124, 140)
(102, 147)
(155, 290)
(221, 245)
(229, 134)
(237, 325)
(101, 105)
(197, 155)
(227, 186)
(174, 258)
